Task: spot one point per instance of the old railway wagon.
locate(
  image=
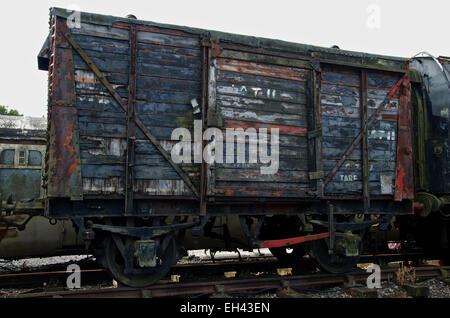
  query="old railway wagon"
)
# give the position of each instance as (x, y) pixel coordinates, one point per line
(334, 148)
(24, 232)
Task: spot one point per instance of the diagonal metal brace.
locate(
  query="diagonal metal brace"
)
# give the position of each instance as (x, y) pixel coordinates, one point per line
(358, 138)
(139, 123)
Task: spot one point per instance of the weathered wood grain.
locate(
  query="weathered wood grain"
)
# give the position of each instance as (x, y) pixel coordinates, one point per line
(260, 104)
(263, 117)
(255, 175)
(261, 69)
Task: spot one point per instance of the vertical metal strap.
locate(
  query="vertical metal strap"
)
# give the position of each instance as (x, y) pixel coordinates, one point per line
(204, 105)
(131, 122)
(331, 231)
(315, 134)
(365, 141)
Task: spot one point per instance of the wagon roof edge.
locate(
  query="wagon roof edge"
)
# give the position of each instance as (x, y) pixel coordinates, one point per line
(267, 43)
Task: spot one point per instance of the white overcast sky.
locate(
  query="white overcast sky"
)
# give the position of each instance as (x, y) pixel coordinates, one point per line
(405, 28)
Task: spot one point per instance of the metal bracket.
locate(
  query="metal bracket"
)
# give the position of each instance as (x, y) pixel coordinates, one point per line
(315, 133)
(315, 64)
(87, 234)
(384, 224)
(145, 252)
(344, 227)
(143, 232)
(251, 238)
(197, 230)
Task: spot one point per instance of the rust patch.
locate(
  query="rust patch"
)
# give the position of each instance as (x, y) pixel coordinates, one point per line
(404, 182)
(63, 165)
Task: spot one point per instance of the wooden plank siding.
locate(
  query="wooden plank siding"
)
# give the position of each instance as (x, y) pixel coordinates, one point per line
(262, 95)
(312, 95)
(168, 78)
(341, 118)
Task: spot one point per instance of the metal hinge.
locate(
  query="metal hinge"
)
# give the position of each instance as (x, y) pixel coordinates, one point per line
(315, 64)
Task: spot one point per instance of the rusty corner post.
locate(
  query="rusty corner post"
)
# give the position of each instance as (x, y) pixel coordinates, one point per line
(131, 122)
(63, 169)
(404, 181)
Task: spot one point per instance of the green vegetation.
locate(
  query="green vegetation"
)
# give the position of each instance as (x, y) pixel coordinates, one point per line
(4, 110)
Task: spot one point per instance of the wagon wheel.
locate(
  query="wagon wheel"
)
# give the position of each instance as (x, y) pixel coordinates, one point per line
(138, 277)
(336, 263)
(289, 255)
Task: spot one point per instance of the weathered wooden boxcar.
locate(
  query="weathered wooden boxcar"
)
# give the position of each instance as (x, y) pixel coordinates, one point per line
(338, 129)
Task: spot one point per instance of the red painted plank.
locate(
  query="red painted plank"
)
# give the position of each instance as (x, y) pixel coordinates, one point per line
(262, 69)
(283, 130)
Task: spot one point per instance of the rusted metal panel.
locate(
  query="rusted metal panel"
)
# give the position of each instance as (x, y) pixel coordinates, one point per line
(63, 164)
(404, 181)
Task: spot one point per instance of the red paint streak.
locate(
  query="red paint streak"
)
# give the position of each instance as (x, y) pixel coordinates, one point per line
(69, 147)
(261, 70)
(89, 80)
(404, 183)
(399, 185)
(284, 130)
(241, 192)
(389, 117)
(293, 241)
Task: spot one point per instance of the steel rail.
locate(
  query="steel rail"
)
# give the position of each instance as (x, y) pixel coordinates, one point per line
(258, 263)
(233, 286)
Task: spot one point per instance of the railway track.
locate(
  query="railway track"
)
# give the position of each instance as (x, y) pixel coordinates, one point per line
(233, 286)
(98, 275)
(92, 275)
